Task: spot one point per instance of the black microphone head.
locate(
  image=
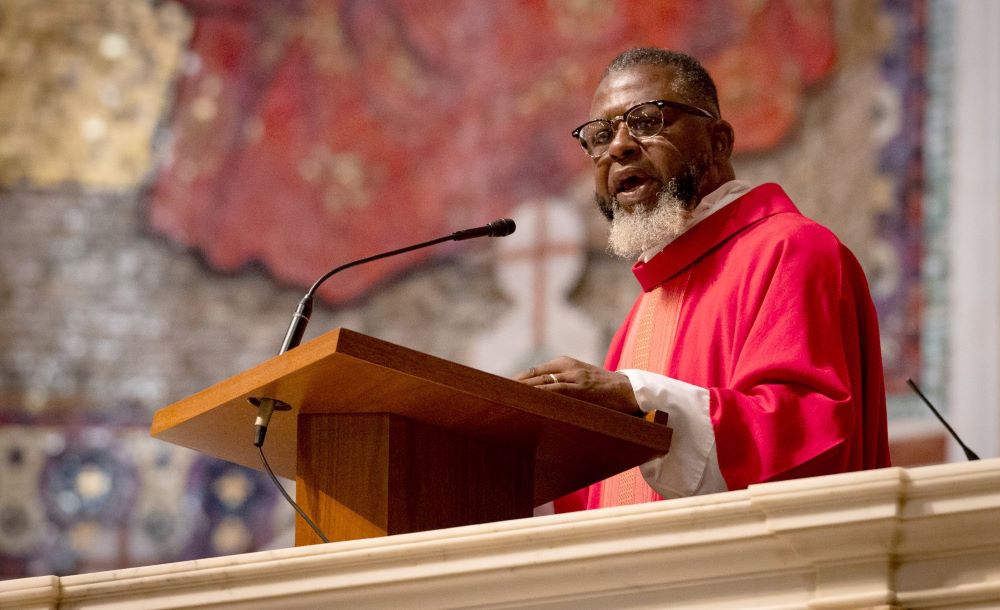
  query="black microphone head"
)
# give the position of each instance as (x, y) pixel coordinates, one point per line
(502, 227)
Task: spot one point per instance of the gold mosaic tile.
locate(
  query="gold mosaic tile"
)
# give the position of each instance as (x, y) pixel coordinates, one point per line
(83, 86)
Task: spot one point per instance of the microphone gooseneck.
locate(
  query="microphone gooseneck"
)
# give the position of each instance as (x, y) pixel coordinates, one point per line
(969, 453)
(296, 329)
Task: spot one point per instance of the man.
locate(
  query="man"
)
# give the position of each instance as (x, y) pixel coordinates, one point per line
(755, 330)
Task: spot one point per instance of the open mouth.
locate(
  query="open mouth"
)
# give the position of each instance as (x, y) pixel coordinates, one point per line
(636, 188)
(630, 183)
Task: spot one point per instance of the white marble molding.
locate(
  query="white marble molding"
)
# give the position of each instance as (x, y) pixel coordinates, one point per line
(894, 538)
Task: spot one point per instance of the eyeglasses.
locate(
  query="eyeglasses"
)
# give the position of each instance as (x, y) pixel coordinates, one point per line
(643, 120)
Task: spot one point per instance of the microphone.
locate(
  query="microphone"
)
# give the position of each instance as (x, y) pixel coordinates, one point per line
(293, 337)
(969, 453)
(498, 228)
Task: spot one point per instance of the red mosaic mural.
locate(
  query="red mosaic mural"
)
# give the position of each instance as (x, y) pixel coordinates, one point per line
(306, 134)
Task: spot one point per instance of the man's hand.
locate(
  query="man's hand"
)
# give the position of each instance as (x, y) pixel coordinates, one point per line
(564, 375)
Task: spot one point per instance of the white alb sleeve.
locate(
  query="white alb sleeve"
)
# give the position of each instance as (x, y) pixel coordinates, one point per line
(692, 466)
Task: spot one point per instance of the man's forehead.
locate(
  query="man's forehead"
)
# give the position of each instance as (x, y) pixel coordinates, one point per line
(627, 87)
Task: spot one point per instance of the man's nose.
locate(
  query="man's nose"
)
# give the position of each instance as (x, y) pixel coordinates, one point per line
(623, 145)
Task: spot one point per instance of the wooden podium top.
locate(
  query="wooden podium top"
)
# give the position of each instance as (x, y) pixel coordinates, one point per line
(342, 371)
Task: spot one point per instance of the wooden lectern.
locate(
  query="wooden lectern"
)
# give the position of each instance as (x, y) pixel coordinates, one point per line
(386, 440)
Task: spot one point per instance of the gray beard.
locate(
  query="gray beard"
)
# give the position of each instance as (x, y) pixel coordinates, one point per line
(632, 233)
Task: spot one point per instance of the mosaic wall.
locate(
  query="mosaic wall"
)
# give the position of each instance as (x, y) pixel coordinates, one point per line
(175, 173)
(302, 121)
(82, 87)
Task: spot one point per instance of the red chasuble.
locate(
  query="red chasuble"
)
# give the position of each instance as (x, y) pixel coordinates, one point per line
(771, 313)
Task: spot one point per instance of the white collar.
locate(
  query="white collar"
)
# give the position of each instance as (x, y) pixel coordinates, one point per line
(710, 204)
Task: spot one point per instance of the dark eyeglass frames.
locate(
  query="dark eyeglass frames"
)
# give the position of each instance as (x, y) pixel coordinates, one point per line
(642, 120)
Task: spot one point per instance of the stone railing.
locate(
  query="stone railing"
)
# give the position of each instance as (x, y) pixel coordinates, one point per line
(894, 538)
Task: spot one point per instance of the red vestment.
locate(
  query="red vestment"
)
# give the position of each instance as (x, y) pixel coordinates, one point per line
(772, 314)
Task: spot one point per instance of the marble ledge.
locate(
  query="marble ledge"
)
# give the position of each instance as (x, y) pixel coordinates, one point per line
(921, 537)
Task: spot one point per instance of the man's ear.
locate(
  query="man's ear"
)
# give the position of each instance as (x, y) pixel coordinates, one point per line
(722, 140)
